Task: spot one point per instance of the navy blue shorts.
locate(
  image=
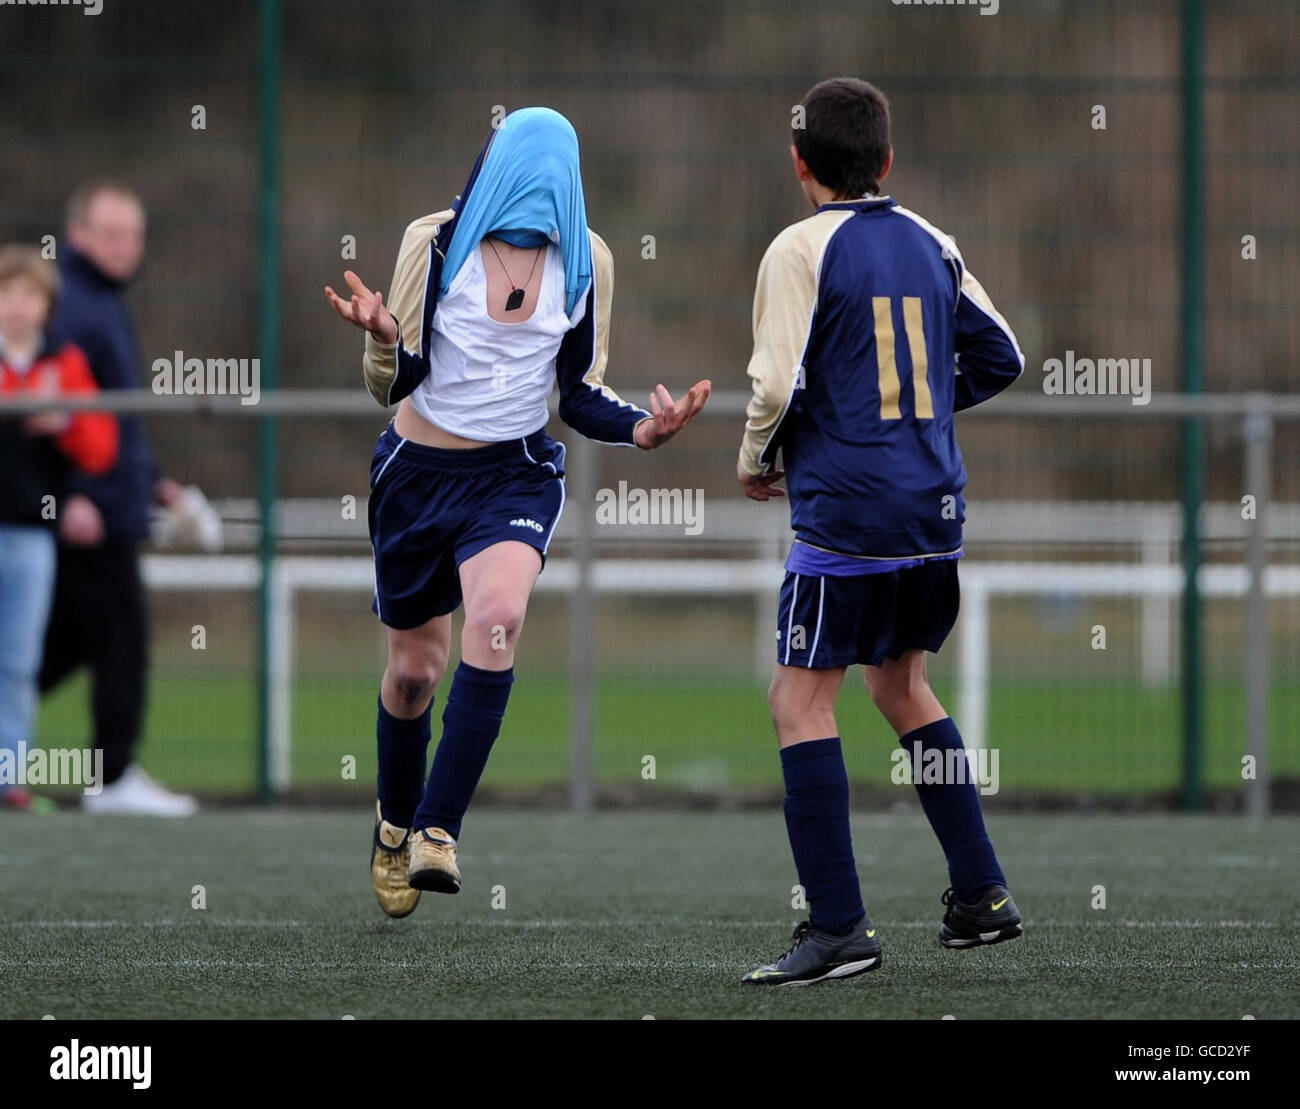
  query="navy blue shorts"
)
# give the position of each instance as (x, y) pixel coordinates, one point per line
(431, 509)
(826, 622)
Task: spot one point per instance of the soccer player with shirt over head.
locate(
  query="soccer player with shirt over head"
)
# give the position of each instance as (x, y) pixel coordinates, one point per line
(493, 303)
(869, 333)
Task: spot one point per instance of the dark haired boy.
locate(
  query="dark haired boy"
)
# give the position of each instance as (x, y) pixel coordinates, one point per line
(869, 333)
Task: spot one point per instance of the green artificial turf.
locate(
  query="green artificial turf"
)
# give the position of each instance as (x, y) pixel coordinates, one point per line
(627, 915)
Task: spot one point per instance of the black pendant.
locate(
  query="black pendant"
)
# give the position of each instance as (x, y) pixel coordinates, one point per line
(515, 300)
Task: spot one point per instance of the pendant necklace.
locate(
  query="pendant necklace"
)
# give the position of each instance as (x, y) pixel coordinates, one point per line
(515, 300)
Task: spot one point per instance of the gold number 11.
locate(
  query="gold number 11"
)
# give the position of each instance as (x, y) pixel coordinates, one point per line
(889, 386)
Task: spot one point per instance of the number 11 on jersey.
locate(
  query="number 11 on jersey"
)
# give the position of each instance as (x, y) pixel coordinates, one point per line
(890, 388)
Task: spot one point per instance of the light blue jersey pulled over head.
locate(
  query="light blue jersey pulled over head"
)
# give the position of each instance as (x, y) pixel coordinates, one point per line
(527, 190)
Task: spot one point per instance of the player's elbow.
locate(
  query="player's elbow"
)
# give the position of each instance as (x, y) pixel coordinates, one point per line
(379, 380)
(1016, 364)
(574, 413)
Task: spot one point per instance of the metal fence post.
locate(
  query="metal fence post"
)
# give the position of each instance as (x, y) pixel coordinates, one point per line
(766, 609)
(974, 643)
(1259, 446)
(1193, 293)
(268, 345)
(581, 467)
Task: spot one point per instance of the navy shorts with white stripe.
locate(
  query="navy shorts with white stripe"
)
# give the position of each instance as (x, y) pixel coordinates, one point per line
(432, 508)
(828, 622)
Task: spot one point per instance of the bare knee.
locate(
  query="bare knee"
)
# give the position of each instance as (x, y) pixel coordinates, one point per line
(903, 695)
(888, 694)
(413, 675)
(782, 704)
(494, 624)
(802, 704)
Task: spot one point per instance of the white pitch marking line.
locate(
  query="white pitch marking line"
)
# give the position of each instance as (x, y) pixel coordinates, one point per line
(197, 922)
(633, 923)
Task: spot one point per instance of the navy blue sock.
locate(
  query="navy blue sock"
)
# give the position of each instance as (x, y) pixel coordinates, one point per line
(817, 820)
(403, 748)
(471, 723)
(953, 810)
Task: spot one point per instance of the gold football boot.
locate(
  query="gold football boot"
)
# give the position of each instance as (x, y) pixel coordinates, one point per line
(433, 862)
(389, 858)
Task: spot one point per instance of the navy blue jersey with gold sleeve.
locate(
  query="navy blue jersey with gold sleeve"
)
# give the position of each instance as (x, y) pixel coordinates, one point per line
(869, 334)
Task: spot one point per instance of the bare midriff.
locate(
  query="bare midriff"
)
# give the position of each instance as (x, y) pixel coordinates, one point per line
(409, 424)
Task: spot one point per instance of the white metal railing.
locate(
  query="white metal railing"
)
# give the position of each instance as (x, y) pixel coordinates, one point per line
(1153, 529)
(758, 578)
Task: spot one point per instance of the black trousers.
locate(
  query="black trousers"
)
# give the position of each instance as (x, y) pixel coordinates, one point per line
(98, 619)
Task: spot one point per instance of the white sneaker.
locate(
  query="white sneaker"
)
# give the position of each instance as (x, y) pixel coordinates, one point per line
(137, 793)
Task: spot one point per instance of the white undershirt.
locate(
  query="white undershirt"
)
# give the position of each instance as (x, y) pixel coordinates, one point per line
(488, 380)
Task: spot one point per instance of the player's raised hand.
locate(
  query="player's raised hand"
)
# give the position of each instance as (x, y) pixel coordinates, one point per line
(760, 487)
(365, 309)
(670, 416)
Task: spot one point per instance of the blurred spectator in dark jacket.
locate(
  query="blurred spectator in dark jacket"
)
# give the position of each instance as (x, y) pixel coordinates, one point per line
(99, 617)
(38, 454)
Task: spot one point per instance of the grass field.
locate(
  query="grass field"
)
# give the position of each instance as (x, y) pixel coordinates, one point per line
(1112, 737)
(629, 915)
